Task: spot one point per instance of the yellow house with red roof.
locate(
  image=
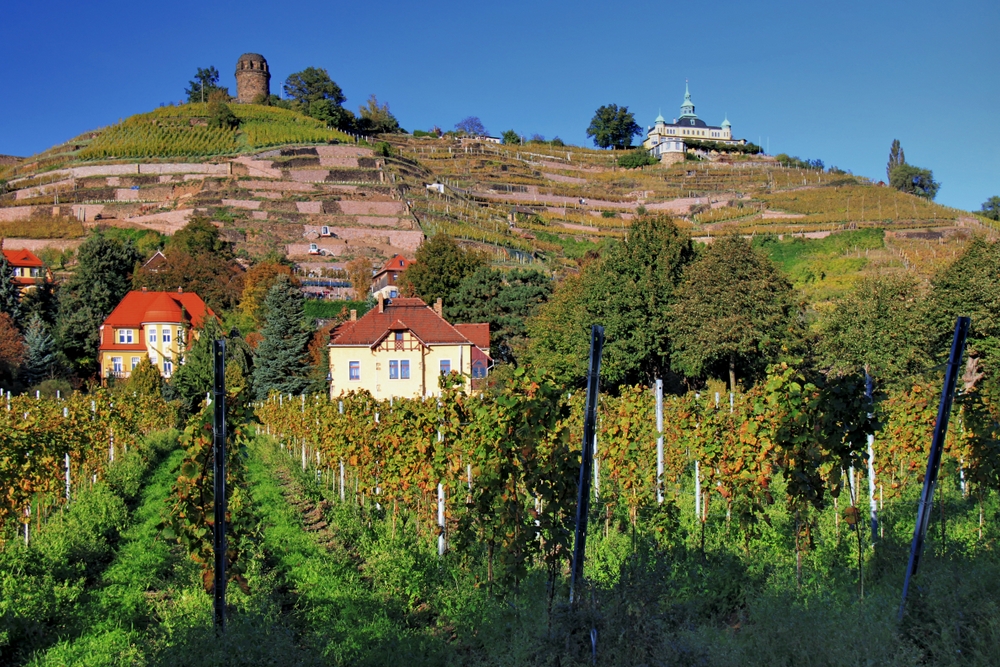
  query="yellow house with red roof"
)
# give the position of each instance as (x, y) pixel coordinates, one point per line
(401, 347)
(28, 270)
(149, 324)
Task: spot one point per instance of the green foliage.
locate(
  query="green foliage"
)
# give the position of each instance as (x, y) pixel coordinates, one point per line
(374, 118)
(734, 310)
(914, 180)
(991, 208)
(221, 117)
(629, 291)
(41, 354)
(504, 300)
(194, 377)
(635, 159)
(510, 138)
(10, 292)
(748, 148)
(281, 362)
(613, 127)
(313, 84)
(198, 236)
(970, 286)
(204, 84)
(322, 309)
(145, 379)
(383, 148)
(878, 327)
(798, 163)
(896, 158)
(441, 265)
(101, 280)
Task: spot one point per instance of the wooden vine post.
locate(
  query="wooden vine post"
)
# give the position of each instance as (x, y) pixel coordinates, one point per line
(219, 457)
(586, 462)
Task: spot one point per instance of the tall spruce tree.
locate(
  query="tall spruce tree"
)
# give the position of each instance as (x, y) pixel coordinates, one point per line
(281, 363)
(40, 353)
(10, 293)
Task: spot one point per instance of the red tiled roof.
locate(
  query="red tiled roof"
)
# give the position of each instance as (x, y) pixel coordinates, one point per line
(411, 314)
(397, 263)
(138, 307)
(479, 334)
(22, 257)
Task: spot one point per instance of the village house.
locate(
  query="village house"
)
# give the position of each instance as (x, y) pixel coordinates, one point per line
(149, 324)
(401, 347)
(384, 281)
(28, 271)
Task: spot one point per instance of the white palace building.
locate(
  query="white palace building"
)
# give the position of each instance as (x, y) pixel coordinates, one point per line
(664, 139)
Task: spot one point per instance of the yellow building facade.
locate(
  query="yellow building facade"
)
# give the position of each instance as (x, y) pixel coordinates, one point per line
(153, 325)
(401, 348)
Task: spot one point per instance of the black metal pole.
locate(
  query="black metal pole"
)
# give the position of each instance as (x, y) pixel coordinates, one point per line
(219, 456)
(587, 461)
(934, 459)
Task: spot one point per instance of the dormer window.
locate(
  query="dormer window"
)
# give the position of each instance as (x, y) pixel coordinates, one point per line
(124, 336)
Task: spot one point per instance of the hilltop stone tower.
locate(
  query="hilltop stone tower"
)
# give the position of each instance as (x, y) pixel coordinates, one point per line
(253, 78)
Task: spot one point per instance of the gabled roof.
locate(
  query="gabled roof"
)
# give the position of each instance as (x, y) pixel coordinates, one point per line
(139, 307)
(397, 263)
(478, 333)
(398, 314)
(22, 257)
(156, 262)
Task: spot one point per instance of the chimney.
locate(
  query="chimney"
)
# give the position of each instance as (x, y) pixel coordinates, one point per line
(180, 290)
(354, 316)
(143, 289)
(439, 307)
(381, 303)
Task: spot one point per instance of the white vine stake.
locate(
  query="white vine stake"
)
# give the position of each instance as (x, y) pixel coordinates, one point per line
(441, 541)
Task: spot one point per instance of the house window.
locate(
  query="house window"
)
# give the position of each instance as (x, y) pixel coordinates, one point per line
(125, 336)
(445, 366)
(152, 335)
(166, 335)
(404, 369)
(393, 370)
(355, 370)
(135, 362)
(399, 340)
(479, 369)
(393, 294)
(168, 368)
(116, 364)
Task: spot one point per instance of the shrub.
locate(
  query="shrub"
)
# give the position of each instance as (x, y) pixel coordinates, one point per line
(383, 148)
(635, 159)
(221, 117)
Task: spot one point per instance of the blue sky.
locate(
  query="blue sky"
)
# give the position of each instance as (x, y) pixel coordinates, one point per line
(835, 81)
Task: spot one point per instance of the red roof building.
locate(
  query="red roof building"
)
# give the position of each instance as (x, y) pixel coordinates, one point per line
(152, 325)
(384, 281)
(29, 271)
(401, 347)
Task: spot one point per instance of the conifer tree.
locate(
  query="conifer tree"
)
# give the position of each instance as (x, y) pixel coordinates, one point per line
(145, 379)
(40, 353)
(281, 362)
(10, 293)
(195, 375)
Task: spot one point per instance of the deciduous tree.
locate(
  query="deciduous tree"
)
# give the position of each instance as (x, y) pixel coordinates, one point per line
(471, 127)
(991, 208)
(11, 349)
(359, 272)
(734, 312)
(877, 327)
(914, 180)
(441, 265)
(205, 82)
(511, 138)
(613, 127)
(896, 158)
(375, 118)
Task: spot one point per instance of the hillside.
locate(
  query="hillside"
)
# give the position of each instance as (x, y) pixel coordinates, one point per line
(282, 181)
